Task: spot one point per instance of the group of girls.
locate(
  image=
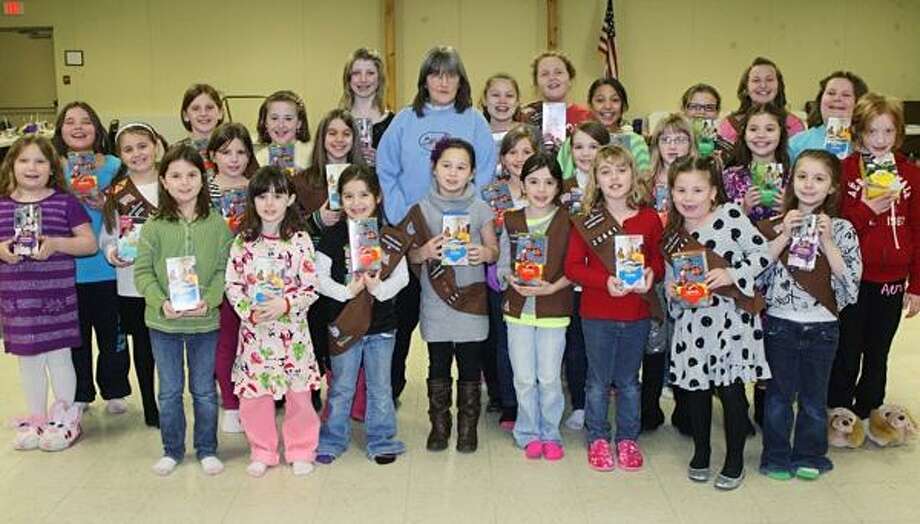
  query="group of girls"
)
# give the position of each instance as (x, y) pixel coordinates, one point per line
(764, 323)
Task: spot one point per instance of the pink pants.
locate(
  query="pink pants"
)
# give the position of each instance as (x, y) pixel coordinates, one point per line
(227, 340)
(300, 428)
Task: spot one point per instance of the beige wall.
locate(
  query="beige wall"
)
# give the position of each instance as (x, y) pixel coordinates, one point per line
(142, 54)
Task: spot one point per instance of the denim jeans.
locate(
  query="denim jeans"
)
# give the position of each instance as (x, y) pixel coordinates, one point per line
(614, 349)
(376, 351)
(200, 351)
(536, 358)
(800, 356)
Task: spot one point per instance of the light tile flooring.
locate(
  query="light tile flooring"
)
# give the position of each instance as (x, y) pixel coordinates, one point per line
(106, 477)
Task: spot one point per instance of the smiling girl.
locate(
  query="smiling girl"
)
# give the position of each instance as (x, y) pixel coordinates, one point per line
(453, 317)
(837, 96)
(130, 201)
(537, 311)
(764, 143)
(614, 316)
(184, 226)
(761, 83)
(607, 97)
(283, 121)
(364, 84)
(801, 323)
(39, 322)
(716, 348)
(888, 226)
(78, 130)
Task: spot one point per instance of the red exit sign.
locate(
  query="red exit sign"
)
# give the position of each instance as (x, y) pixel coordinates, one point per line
(13, 8)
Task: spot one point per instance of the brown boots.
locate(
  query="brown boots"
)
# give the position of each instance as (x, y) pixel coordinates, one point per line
(439, 400)
(468, 407)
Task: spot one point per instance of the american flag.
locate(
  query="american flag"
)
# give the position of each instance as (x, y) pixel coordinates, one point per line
(607, 45)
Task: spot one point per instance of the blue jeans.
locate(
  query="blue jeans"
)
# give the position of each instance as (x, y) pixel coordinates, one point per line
(614, 349)
(800, 356)
(200, 350)
(376, 351)
(536, 358)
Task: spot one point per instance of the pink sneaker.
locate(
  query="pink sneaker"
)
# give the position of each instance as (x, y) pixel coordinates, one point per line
(599, 456)
(533, 450)
(553, 451)
(629, 455)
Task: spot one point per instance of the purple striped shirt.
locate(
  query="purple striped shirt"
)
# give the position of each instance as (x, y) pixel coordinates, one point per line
(38, 298)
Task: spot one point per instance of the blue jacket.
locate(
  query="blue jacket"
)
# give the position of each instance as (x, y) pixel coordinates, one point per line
(404, 154)
(810, 139)
(95, 268)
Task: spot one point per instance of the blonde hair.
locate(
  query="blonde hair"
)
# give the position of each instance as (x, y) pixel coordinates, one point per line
(674, 122)
(610, 154)
(348, 97)
(873, 105)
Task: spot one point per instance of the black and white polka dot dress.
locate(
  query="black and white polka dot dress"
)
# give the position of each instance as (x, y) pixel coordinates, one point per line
(720, 344)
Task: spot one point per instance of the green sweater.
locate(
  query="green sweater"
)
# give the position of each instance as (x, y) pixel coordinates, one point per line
(208, 240)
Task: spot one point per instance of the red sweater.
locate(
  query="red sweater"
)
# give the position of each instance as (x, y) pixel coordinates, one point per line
(890, 242)
(583, 267)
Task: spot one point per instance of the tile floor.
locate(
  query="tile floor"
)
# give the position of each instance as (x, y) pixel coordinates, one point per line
(106, 477)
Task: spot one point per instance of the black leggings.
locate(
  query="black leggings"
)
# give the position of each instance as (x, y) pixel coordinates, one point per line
(97, 306)
(441, 357)
(131, 310)
(867, 329)
(734, 408)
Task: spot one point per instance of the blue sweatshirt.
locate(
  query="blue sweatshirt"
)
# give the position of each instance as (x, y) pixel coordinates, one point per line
(404, 154)
(810, 139)
(94, 268)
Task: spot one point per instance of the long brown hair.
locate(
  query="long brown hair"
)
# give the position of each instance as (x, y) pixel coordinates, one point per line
(831, 204)
(191, 94)
(707, 166)
(100, 143)
(745, 98)
(315, 174)
(366, 174)
(110, 209)
(269, 179)
(303, 132)
(742, 156)
(8, 177)
(226, 133)
(169, 209)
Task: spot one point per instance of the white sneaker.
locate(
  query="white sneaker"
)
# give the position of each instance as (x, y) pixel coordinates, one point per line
(231, 421)
(576, 420)
(302, 468)
(116, 406)
(256, 469)
(165, 466)
(212, 465)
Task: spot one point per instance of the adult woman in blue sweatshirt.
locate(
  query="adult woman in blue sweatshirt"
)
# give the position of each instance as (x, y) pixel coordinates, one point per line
(442, 108)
